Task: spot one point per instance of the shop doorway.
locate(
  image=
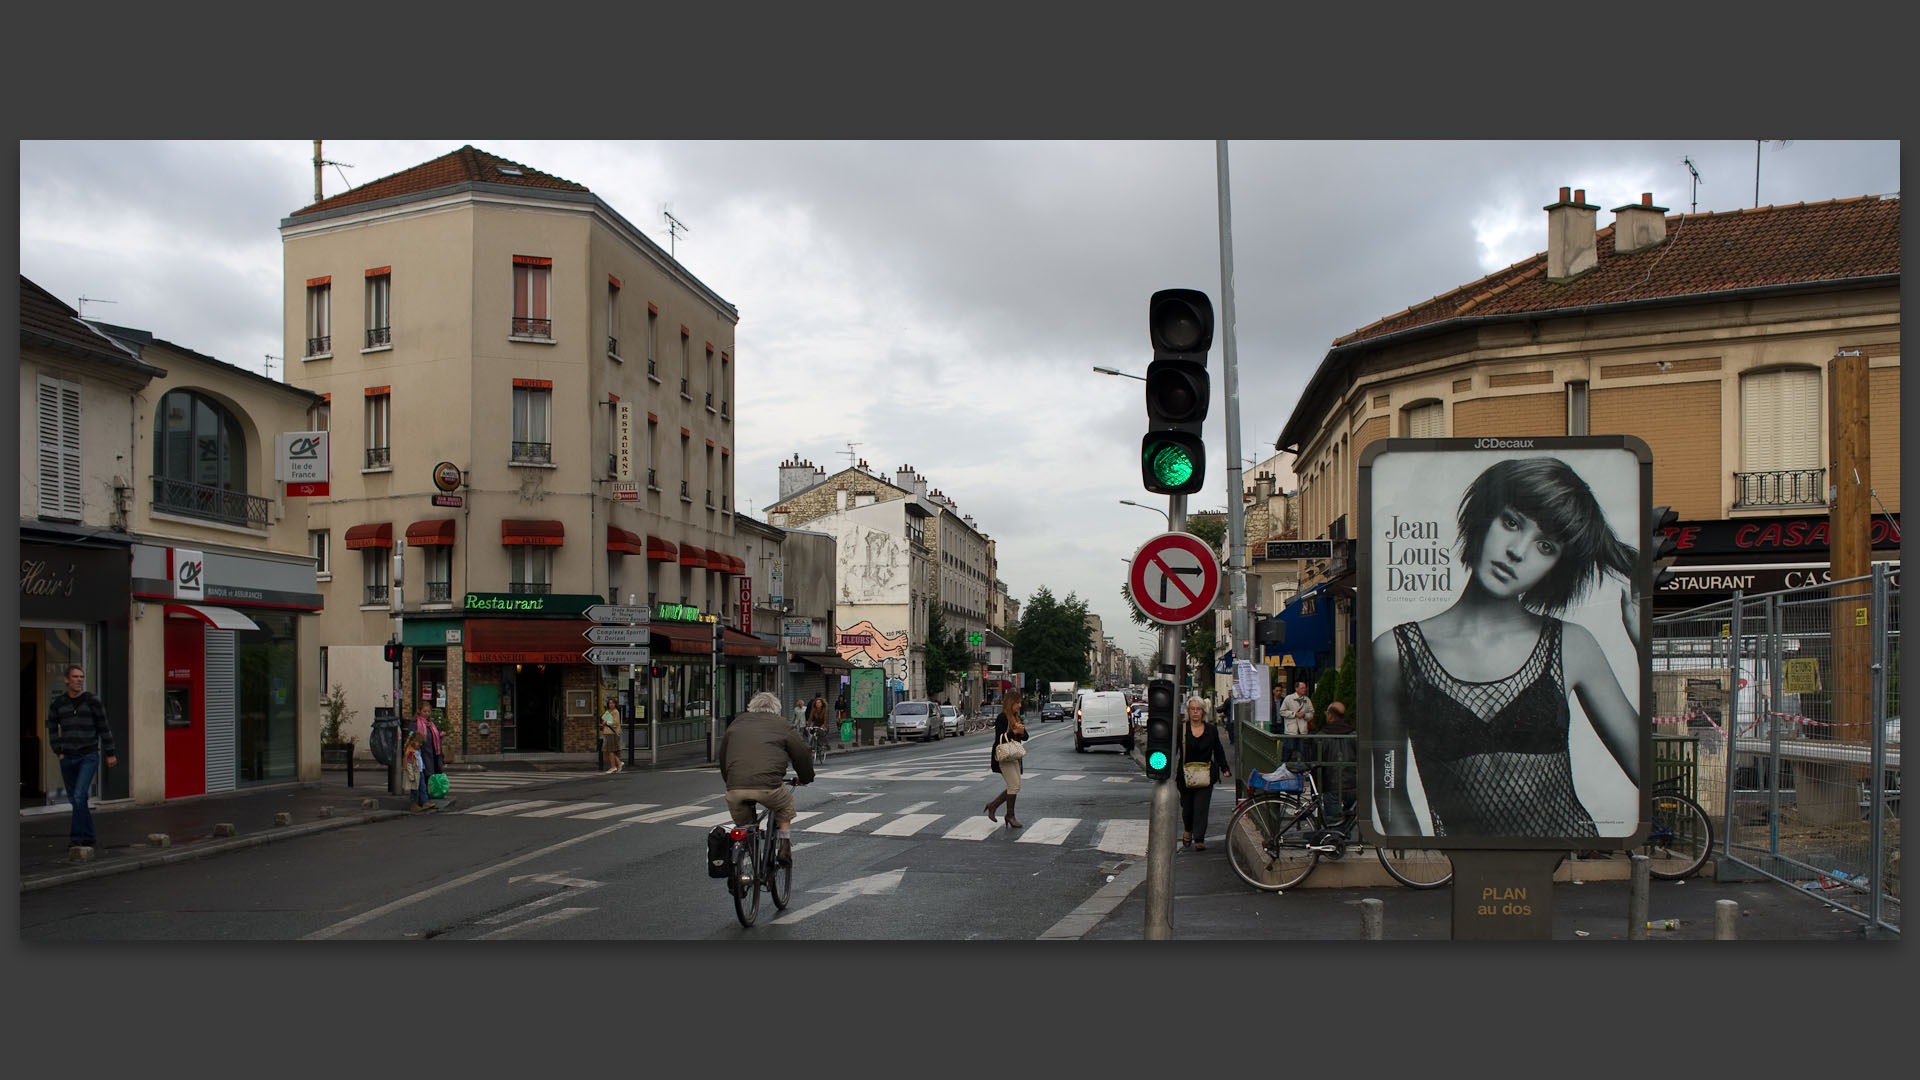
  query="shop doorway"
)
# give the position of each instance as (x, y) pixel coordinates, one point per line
(537, 708)
(45, 652)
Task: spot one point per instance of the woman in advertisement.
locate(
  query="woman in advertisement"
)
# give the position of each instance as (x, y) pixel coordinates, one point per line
(1479, 691)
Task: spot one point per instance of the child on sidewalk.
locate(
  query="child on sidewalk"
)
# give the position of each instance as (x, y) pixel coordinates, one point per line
(416, 773)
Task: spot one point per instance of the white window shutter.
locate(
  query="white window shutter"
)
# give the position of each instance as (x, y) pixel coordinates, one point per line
(1780, 420)
(59, 448)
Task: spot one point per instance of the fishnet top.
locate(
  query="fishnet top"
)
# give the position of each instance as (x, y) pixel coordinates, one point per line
(1492, 755)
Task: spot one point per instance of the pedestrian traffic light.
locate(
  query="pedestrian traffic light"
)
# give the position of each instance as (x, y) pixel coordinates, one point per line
(1173, 458)
(1160, 694)
(1661, 547)
(392, 652)
(658, 671)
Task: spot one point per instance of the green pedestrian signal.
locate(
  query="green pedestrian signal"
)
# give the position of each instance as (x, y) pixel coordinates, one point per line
(1160, 695)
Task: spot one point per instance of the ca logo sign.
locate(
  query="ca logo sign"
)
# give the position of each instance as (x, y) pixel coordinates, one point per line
(305, 447)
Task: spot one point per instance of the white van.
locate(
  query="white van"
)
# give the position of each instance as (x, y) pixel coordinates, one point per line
(1100, 716)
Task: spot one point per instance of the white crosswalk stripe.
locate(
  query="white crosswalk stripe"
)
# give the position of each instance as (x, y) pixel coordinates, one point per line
(510, 807)
(498, 781)
(974, 827)
(614, 811)
(667, 814)
(841, 823)
(906, 824)
(563, 808)
(1123, 837)
(1048, 830)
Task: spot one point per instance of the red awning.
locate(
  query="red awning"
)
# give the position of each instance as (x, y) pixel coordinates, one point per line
(717, 561)
(531, 641)
(619, 539)
(696, 639)
(661, 549)
(541, 533)
(375, 535)
(736, 643)
(434, 531)
(692, 556)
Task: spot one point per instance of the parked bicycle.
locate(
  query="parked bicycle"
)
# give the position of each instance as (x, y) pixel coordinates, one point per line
(752, 864)
(817, 742)
(1277, 836)
(1679, 836)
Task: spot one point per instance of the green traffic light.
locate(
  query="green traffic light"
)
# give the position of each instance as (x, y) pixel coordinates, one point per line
(1170, 464)
(1157, 760)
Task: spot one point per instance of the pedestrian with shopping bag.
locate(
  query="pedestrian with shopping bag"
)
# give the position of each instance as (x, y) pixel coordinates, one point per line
(1203, 763)
(1009, 748)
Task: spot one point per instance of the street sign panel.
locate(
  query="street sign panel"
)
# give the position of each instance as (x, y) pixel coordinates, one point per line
(1299, 549)
(1174, 578)
(619, 613)
(612, 654)
(618, 635)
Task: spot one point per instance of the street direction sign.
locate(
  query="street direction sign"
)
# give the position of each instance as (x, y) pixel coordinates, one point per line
(619, 613)
(1174, 578)
(613, 654)
(618, 635)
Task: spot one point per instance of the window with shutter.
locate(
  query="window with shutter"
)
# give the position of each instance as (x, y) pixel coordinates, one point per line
(1780, 420)
(1426, 421)
(59, 457)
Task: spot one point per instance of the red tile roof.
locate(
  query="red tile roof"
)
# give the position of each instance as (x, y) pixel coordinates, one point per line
(465, 165)
(1703, 253)
(46, 320)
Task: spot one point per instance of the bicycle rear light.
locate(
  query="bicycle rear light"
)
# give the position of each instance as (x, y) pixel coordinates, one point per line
(736, 834)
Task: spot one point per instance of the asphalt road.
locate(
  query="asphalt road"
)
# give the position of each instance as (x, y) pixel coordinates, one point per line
(891, 846)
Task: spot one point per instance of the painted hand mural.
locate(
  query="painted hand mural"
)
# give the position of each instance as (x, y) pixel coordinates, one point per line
(869, 645)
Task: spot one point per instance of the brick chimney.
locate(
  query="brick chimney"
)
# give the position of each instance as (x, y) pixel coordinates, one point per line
(1571, 249)
(840, 498)
(903, 478)
(797, 475)
(1638, 226)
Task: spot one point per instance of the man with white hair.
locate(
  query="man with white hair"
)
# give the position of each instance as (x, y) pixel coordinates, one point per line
(754, 755)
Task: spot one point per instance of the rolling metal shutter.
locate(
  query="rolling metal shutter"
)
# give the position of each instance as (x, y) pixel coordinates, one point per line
(222, 744)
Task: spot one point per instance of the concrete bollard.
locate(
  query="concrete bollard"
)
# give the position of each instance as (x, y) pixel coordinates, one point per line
(326, 811)
(368, 804)
(225, 828)
(159, 839)
(1372, 920)
(1639, 874)
(282, 817)
(1726, 914)
(79, 853)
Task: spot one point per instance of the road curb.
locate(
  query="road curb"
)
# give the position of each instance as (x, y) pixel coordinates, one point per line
(203, 850)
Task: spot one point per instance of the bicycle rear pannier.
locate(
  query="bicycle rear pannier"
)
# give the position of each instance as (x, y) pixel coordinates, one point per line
(719, 846)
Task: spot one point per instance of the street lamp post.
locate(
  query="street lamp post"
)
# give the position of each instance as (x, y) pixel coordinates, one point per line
(1144, 506)
(1116, 371)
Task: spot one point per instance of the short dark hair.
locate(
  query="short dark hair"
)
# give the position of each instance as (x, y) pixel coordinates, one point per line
(71, 668)
(1548, 491)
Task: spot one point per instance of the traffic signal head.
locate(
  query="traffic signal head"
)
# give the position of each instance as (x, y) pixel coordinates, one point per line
(1173, 459)
(658, 671)
(1661, 546)
(392, 652)
(1160, 700)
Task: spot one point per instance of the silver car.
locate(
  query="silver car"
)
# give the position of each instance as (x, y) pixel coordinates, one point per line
(950, 721)
(915, 719)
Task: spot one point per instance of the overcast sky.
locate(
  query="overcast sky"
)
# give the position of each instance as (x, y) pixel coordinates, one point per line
(939, 304)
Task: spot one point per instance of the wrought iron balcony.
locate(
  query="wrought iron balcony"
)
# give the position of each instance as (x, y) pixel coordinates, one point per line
(539, 587)
(319, 346)
(709, 498)
(613, 345)
(613, 464)
(212, 503)
(650, 480)
(540, 328)
(439, 592)
(378, 336)
(723, 408)
(683, 390)
(379, 457)
(533, 453)
(709, 399)
(649, 365)
(1779, 487)
(684, 493)
(376, 594)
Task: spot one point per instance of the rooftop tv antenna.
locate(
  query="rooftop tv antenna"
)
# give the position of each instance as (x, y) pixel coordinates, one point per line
(85, 300)
(674, 228)
(853, 456)
(1688, 162)
(318, 162)
(1778, 144)
(270, 359)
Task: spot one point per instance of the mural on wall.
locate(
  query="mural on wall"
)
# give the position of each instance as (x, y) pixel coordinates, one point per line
(871, 566)
(864, 644)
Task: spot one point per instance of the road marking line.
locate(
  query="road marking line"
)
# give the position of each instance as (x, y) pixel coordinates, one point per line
(724, 817)
(509, 807)
(511, 913)
(1123, 837)
(841, 823)
(914, 808)
(625, 808)
(369, 915)
(1071, 776)
(535, 923)
(907, 824)
(1047, 830)
(1118, 780)
(563, 808)
(973, 828)
(663, 815)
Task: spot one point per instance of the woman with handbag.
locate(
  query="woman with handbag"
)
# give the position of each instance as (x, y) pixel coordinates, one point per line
(1203, 762)
(1009, 748)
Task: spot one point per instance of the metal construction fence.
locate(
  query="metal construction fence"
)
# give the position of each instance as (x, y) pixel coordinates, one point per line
(1791, 703)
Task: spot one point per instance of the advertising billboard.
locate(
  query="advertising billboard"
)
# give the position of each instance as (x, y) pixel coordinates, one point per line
(1502, 678)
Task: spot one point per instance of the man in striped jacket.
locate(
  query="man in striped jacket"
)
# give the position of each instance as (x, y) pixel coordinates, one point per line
(77, 728)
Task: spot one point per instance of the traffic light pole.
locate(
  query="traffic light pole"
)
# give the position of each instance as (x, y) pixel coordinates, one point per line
(1162, 814)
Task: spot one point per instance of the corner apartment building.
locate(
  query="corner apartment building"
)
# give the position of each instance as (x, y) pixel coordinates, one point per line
(1706, 335)
(531, 411)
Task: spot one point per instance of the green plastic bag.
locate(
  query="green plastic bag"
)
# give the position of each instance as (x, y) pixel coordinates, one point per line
(846, 731)
(437, 786)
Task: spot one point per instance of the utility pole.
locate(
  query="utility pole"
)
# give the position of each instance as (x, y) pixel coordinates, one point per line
(1849, 516)
(1163, 813)
(1236, 512)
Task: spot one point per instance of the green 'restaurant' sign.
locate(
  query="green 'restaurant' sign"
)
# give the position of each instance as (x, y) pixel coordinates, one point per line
(531, 603)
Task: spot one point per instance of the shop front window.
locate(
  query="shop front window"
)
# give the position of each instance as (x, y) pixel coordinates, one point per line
(267, 675)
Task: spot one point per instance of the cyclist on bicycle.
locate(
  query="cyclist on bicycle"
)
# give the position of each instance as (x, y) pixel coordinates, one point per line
(817, 723)
(755, 752)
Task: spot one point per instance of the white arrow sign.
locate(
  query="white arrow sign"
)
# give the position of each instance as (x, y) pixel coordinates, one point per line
(618, 654)
(617, 635)
(871, 885)
(619, 613)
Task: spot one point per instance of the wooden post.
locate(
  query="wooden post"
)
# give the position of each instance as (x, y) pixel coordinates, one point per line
(1849, 681)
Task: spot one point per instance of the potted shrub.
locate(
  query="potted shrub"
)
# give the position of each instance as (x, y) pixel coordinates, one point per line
(335, 749)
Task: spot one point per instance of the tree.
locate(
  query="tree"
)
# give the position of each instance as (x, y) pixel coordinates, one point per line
(947, 652)
(1052, 640)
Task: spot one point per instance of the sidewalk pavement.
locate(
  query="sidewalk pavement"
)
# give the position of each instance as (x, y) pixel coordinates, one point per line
(196, 828)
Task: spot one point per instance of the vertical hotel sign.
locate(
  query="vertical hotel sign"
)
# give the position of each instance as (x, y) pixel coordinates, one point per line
(623, 440)
(303, 463)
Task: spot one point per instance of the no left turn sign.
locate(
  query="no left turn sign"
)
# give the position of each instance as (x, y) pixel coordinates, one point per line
(1174, 578)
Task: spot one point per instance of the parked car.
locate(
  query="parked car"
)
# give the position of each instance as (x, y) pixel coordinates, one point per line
(916, 719)
(1100, 716)
(950, 721)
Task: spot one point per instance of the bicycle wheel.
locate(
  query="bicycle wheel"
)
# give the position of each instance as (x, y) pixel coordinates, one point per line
(1267, 843)
(780, 879)
(1679, 839)
(1416, 868)
(746, 881)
